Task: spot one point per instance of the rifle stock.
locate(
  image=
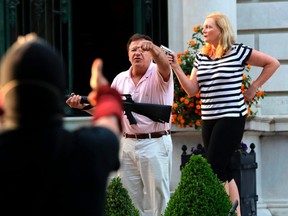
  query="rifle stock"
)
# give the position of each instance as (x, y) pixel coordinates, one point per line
(155, 112)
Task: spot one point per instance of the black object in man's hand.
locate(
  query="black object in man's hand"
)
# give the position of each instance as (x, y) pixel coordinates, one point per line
(156, 112)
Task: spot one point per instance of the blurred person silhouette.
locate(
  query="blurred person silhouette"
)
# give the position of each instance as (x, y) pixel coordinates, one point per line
(46, 169)
(217, 74)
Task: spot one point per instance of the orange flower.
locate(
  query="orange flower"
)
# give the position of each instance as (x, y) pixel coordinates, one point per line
(192, 43)
(186, 101)
(260, 94)
(249, 110)
(196, 28)
(180, 117)
(191, 105)
(198, 123)
(174, 116)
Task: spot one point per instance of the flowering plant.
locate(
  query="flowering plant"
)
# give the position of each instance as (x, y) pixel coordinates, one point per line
(186, 111)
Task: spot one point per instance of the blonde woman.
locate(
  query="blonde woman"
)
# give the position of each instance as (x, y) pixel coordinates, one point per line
(217, 73)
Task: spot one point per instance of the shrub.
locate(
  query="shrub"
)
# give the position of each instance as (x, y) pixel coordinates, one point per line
(118, 201)
(199, 192)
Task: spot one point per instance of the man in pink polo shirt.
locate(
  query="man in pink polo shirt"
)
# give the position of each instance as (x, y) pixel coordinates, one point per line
(146, 147)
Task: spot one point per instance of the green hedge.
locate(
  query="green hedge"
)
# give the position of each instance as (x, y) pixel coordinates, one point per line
(199, 192)
(118, 201)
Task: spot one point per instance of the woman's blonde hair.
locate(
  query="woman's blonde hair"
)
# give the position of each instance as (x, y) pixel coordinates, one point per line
(227, 38)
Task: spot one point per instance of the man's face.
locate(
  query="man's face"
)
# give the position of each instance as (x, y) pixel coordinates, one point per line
(137, 56)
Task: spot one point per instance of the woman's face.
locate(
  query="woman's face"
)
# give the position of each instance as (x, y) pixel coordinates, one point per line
(211, 32)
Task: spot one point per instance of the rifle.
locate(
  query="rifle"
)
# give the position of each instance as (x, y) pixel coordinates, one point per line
(156, 112)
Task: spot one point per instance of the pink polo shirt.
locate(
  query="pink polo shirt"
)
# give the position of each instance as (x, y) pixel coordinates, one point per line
(150, 89)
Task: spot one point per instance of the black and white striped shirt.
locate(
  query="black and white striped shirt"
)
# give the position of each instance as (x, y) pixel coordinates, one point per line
(220, 82)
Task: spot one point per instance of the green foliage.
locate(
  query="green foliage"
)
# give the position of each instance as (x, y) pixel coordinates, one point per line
(118, 201)
(199, 193)
(187, 110)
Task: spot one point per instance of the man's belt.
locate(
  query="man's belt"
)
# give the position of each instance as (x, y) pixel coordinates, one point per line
(147, 135)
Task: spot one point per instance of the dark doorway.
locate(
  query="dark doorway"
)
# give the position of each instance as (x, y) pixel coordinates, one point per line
(100, 29)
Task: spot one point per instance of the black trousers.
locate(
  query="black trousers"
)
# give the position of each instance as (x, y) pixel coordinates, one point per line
(221, 137)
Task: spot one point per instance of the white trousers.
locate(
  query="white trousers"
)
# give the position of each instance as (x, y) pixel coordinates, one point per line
(145, 171)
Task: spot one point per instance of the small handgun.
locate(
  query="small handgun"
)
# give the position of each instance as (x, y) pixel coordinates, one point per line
(166, 49)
